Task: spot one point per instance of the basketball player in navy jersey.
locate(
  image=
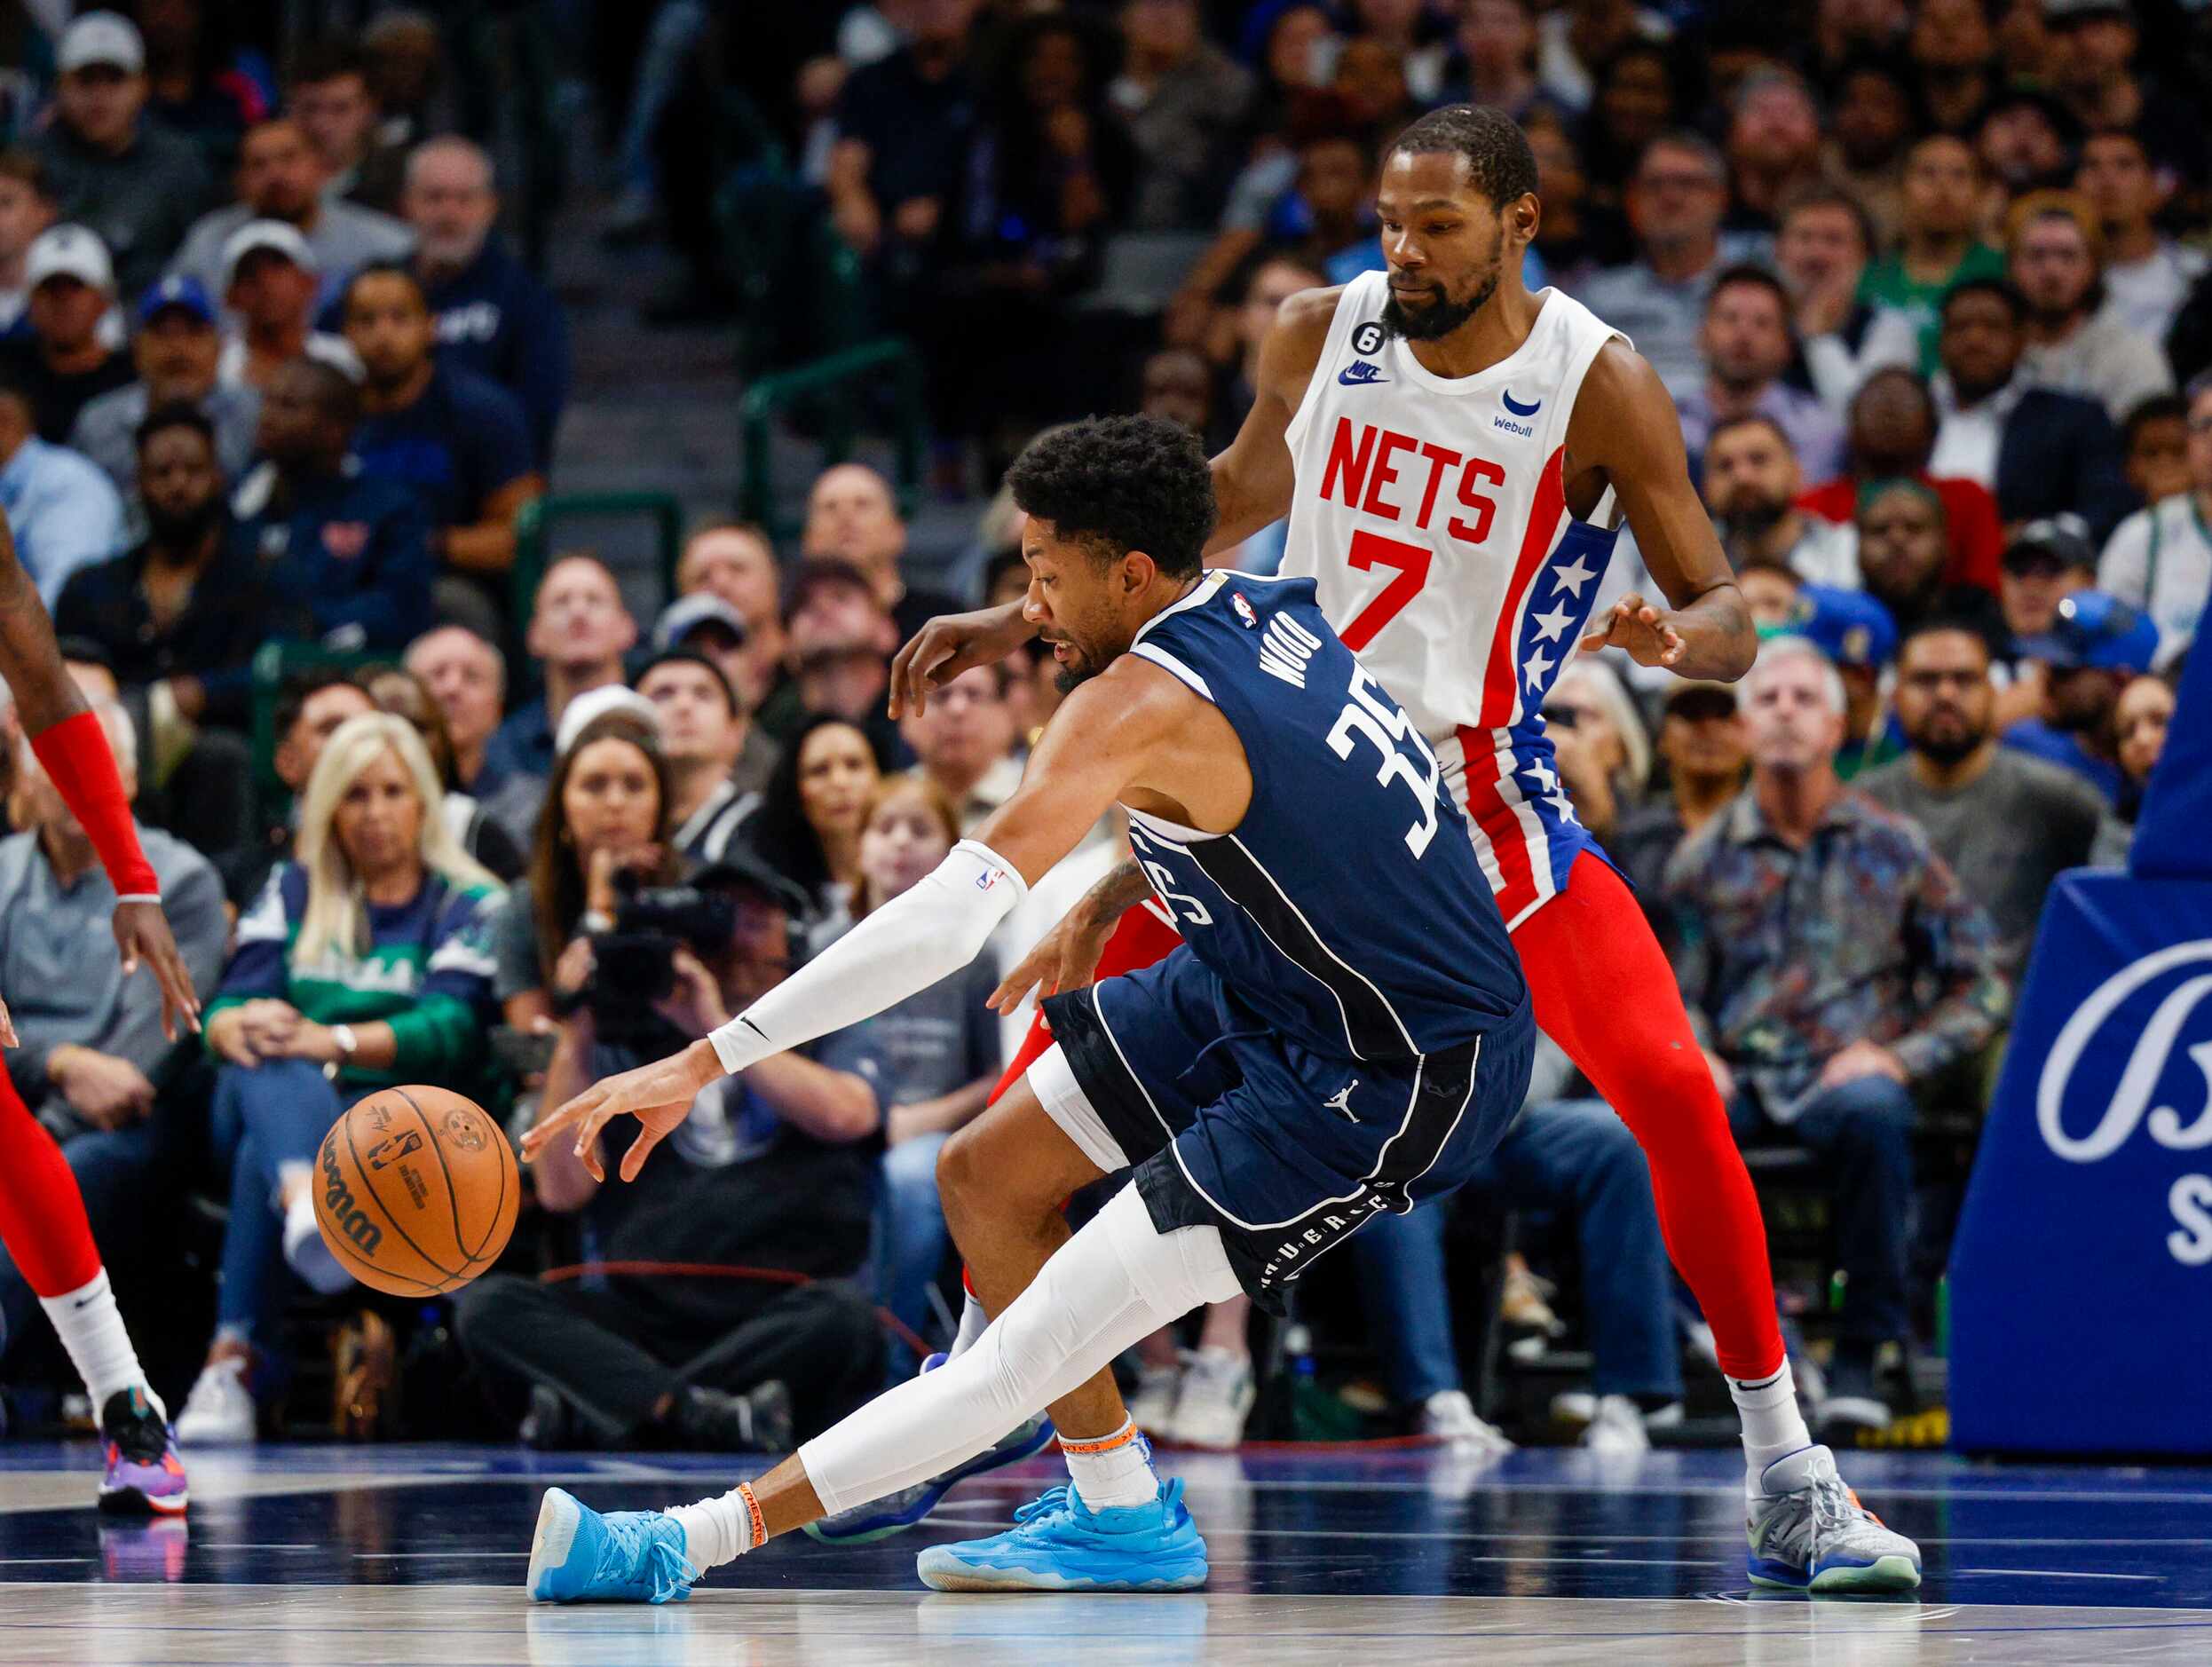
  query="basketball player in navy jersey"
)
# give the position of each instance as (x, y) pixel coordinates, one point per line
(1315, 1053)
(1455, 453)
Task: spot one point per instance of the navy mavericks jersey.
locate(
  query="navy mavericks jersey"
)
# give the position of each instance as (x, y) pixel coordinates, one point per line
(1347, 910)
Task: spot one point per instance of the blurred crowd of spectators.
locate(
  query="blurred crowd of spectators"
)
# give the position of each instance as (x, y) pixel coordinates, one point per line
(1928, 283)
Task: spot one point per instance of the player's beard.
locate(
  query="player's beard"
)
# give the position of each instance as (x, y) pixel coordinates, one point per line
(1440, 317)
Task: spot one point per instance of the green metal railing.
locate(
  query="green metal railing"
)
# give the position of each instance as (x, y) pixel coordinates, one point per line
(831, 390)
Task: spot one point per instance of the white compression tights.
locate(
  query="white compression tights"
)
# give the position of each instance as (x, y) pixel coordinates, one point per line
(1117, 1280)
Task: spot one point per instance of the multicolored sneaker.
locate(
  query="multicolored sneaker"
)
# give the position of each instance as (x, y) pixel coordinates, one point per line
(1808, 1531)
(144, 1477)
(896, 1513)
(1059, 1543)
(579, 1556)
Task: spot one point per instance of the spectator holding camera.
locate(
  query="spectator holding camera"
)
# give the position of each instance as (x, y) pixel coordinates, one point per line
(808, 827)
(774, 1168)
(605, 815)
(365, 963)
(92, 1060)
(940, 1045)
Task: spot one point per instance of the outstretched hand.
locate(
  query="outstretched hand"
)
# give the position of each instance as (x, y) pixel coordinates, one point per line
(659, 1096)
(142, 933)
(1643, 630)
(1065, 958)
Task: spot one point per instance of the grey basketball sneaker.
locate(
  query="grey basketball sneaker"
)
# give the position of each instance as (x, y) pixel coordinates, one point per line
(1808, 1531)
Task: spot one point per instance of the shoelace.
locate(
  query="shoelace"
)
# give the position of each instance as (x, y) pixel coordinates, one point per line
(670, 1572)
(1044, 1504)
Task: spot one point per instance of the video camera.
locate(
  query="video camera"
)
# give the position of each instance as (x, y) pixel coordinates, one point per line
(634, 966)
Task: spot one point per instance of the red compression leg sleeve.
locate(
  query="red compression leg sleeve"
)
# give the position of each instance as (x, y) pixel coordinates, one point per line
(42, 1212)
(1605, 993)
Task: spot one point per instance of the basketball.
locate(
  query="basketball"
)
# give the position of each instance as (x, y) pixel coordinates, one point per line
(416, 1190)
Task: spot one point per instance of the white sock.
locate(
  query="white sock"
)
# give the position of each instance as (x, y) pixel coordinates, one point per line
(1114, 1470)
(1119, 1280)
(721, 1529)
(92, 1331)
(1772, 1427)
(973, 1322)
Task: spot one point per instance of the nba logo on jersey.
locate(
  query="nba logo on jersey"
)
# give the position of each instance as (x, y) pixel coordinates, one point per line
(1244, 609)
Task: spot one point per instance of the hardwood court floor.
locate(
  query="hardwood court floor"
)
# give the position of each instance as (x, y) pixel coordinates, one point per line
(415, 1554)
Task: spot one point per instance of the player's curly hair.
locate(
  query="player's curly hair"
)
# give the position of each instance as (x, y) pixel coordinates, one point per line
(1499, 163)
(1121, 483)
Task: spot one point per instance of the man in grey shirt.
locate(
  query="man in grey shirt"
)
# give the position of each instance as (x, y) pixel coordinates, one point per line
(92, 1056)
(1675, 198)
(109, 165)
(176, 351)
(280, 177)
(2007, 823)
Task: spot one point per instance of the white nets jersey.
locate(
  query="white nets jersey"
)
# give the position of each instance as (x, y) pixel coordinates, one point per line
(1431, 513)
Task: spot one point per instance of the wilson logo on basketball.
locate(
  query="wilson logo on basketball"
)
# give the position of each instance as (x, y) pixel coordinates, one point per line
(341, 1209)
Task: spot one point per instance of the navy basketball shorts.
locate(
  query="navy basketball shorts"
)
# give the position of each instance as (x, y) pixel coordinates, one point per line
(1229, 1124)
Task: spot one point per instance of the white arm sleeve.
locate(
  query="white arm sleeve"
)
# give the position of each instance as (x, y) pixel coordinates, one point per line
(905, 946)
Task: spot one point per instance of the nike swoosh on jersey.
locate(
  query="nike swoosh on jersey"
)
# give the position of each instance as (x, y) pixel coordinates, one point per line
(1359, 373)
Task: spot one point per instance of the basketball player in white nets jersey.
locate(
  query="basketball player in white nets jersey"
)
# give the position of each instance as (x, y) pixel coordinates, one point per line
(1454, 455)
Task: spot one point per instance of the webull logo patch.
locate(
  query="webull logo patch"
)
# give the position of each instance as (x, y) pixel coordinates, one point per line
(342, 1209)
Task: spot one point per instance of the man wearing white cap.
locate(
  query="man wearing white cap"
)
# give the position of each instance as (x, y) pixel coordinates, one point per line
(270, 283)
(133, 182)
(280, 177)
(66, 362)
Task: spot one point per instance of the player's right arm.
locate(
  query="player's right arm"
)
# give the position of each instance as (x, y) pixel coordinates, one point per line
(1253, 480)
(1107, 735)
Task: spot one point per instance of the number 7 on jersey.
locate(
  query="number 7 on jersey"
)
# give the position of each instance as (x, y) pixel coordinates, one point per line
(1410, 564)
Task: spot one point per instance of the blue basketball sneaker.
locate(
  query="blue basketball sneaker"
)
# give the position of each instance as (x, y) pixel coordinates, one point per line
(580, 1556)
(896, 1513)
(1059, 1543)
(1809, 1531)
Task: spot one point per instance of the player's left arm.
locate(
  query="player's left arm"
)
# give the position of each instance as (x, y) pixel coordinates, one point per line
(1625, 423)
(1103, 738)
(73, 749)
